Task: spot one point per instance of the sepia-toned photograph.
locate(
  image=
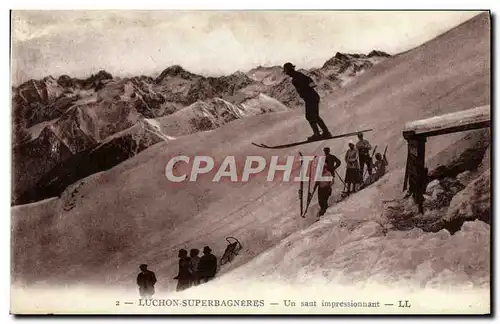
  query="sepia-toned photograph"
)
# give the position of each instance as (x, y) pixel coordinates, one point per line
(250, 162)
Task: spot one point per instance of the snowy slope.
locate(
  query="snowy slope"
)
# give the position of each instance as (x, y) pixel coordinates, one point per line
(211, 114)
(133, 214)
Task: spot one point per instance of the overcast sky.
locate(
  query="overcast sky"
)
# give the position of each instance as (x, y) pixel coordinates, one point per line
(79, 43)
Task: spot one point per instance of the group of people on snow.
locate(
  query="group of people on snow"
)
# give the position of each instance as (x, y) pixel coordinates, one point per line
(193, 270)
(356, 157)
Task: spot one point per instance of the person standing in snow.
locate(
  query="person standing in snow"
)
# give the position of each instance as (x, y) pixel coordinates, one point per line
(331, 161)
(195, 261)
(305, 88)
(185, 275)
(146, 280)
(352, 168)
(364, 147)
(208, 265)
(324, 190)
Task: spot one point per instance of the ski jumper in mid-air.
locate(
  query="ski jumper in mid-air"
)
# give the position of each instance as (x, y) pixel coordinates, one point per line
(305, 88)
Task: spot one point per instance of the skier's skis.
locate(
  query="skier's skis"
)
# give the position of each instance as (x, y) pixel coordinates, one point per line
(309, 194)
(309, 201)
(301, 185)
(321, 138)
(309, 181)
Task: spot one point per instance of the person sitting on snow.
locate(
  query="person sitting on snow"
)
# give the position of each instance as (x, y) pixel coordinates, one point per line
(380, 168)
(380, 164)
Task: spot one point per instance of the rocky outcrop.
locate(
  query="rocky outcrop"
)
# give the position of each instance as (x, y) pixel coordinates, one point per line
(80, 129)
(474, 202)
(450, 199)
(36, 101)
(95, 159)
(31, 161)
(468, 160)
(439, 193)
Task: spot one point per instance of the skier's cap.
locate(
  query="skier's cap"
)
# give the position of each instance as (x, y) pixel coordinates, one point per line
(207, 249)
(351, 143)
(288, 66)
(143, 266)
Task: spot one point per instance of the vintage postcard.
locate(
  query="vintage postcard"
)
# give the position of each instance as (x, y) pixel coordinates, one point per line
(250, 162)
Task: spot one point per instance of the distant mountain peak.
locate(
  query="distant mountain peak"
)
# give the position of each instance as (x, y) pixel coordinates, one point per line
(343, 58)
(378, 53)
(172, 71)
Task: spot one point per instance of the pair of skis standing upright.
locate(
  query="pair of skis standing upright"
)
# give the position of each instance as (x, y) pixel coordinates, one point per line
(301, 190)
